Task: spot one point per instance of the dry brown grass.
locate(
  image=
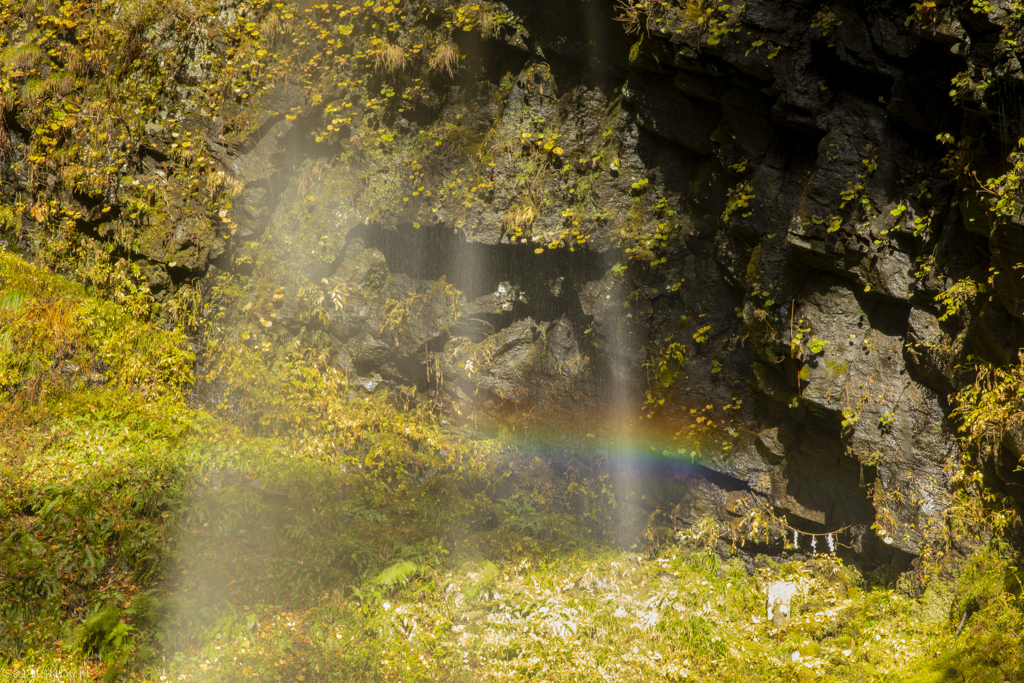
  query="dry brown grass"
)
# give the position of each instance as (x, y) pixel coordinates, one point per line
(517, 221)
(445, 59)
(391, 58)
(695, 10)
(78, 64)
(272, 27)
(490, 24)
(60, 84)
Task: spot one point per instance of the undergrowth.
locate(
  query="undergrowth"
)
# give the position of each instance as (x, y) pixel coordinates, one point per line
(145, 540)
(133, 523)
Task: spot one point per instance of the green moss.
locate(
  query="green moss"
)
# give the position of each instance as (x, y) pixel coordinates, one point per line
(634, 51)
(836, 370)
(22, 57)
(753, 266)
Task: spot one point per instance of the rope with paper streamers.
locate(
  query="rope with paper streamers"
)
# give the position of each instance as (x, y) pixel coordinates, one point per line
(830, 537)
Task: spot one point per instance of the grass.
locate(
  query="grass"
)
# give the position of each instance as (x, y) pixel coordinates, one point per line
(49, 668)
(446, 59)
(391, 58)
(22, 58)
(142, 539)
(686, 615)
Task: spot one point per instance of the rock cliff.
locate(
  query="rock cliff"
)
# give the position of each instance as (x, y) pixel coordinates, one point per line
(759, 238)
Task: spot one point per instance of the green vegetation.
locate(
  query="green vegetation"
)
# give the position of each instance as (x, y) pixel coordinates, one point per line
(709, 20)
(142, 539)
(114, 110)
(298, 530)
(132, 524)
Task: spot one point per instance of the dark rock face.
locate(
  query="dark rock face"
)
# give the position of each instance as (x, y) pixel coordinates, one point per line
(837, 136)
(747, 224)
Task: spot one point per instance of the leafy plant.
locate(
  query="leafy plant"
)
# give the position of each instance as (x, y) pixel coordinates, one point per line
(816, 346)
(738, 199)
(396, 575)
(961, 294)
(850, 418)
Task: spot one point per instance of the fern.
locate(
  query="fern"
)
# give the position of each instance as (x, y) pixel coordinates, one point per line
(396, 575)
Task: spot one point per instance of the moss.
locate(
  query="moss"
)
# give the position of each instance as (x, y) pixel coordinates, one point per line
(52, 325)
(753, 266)
(634, 51)
(22, 57)
(836, 370)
